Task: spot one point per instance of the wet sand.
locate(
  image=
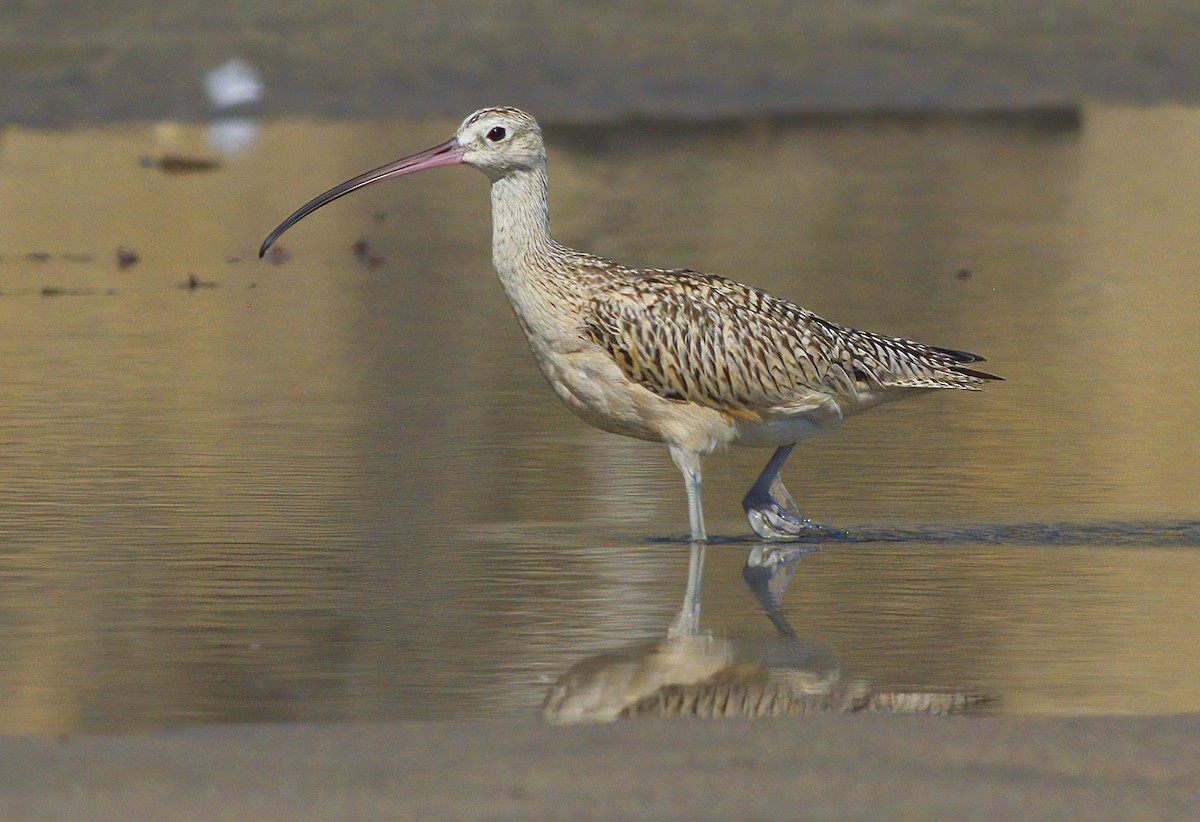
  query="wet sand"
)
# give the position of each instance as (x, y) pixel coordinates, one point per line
(823, 767)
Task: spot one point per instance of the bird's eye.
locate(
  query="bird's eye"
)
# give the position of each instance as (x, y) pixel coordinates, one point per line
(497, 134)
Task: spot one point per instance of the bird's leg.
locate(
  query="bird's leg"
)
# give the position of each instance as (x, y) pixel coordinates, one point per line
(772, 512)
(689, 464)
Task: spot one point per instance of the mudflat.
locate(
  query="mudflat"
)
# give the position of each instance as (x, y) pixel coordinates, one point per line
(820, 767)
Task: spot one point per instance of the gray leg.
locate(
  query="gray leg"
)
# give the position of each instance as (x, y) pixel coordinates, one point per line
(689, 464)
(772, 512)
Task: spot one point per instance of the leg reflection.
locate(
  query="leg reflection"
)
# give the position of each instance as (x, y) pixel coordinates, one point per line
(688, 621)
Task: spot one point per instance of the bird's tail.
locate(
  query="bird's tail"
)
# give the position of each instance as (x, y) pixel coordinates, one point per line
(959, 358)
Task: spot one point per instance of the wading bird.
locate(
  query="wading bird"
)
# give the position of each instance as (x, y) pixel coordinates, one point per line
(692, 360)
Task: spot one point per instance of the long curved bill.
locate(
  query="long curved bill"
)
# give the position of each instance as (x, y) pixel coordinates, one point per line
(448, 153)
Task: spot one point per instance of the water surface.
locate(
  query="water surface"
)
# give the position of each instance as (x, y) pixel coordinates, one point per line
(336, 487)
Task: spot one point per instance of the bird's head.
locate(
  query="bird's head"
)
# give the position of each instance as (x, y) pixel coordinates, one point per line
(499, 141)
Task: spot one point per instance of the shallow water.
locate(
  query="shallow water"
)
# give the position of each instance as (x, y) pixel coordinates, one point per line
(337, 487)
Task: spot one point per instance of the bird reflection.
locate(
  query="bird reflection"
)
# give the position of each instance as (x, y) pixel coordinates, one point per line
(692, 673)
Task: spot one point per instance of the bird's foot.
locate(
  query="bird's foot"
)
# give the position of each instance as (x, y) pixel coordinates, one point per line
(772, 520)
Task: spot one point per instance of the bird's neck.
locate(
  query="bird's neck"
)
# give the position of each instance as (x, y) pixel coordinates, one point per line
(541, 288)
(520, 220)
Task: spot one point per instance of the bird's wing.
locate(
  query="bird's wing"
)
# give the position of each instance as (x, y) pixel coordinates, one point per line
(718, 343)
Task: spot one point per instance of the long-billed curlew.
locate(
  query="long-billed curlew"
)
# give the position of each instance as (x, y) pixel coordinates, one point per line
(692, 360)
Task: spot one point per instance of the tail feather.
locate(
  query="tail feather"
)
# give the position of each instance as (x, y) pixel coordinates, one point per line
(971, 372)
(966, 357)
(959, 356)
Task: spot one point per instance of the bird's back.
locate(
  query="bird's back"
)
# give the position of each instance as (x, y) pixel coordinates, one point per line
(705, 339)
